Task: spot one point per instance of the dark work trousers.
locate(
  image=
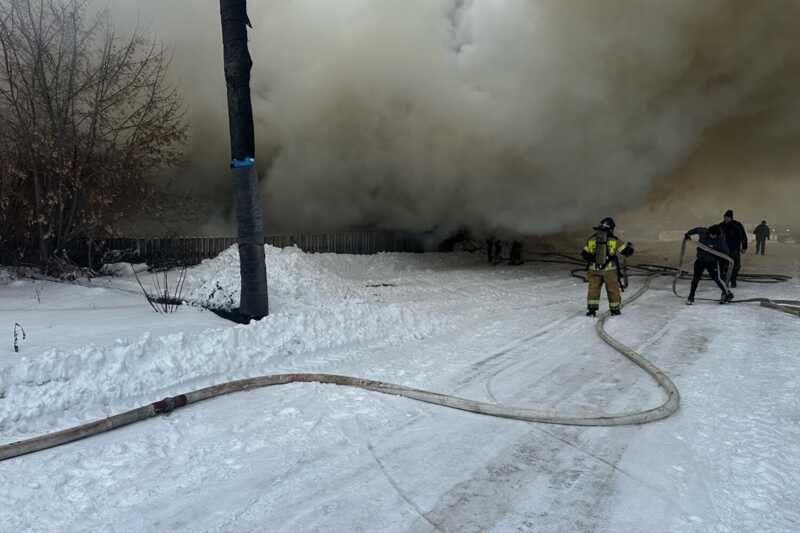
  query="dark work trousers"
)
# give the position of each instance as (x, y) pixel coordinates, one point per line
(761, 246)
(737, 265)
(713, 271)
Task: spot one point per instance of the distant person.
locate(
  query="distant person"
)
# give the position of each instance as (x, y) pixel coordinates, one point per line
(762, 236)
(516, 253)
(601, 253)
(708, 262)
(493, 249)
(736, 239)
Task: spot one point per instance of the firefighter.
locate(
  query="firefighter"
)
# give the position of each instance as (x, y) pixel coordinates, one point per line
(602, 253)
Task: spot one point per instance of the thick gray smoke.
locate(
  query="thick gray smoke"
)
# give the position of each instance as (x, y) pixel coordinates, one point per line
(743, 164)
(510, 115)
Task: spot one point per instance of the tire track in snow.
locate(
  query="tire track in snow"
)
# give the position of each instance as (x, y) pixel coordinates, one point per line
(488, 384)
(605, 482)
(476, 369)
(406, 498)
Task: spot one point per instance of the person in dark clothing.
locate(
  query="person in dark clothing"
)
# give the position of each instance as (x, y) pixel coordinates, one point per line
(736, 238)
(708, 262)
(762, 236)
(516, 253)
(493, 249)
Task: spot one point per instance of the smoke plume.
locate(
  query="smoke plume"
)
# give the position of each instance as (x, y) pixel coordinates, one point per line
(514, 116)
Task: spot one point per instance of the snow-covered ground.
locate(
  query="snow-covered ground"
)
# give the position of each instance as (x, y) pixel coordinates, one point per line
(310, 457)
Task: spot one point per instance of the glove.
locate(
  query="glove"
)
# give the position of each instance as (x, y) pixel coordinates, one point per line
(587, 256)
(687, 237)
(628, 250)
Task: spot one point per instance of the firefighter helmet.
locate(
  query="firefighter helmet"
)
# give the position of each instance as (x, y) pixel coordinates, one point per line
(607, 224)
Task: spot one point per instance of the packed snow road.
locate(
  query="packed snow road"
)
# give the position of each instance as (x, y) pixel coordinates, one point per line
(310, 457)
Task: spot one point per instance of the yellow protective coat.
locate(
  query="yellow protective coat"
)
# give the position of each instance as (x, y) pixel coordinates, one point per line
(606, 274)
(613, 247)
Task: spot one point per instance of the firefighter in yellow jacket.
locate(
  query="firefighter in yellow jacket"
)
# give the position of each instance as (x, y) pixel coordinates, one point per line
(602, 253)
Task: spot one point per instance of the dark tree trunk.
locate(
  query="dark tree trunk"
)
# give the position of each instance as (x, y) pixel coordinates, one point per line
(247, 192)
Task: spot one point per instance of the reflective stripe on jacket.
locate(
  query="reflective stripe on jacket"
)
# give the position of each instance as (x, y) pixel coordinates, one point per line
(613, 247)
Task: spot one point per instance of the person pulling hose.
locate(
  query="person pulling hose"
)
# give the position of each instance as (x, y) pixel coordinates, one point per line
(707, 262)
(735, 237)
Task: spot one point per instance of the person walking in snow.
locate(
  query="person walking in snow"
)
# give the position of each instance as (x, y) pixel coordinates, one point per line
(736, 239)
(708, 262)
(602, 253)
(762, 236)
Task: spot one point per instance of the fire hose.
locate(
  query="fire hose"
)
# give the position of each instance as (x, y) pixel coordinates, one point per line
(791, 307)
(167, 405)
(669, 406)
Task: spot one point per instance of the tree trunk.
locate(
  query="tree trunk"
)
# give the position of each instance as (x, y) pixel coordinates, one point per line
(38, 211)
(247, 192)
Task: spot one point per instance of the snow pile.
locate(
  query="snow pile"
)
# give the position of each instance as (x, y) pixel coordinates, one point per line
(123, 269)
(317, 310)
(5, 276)
(293, 276)
(98, 381)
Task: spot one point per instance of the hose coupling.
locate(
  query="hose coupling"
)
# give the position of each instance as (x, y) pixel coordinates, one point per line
(167, 405)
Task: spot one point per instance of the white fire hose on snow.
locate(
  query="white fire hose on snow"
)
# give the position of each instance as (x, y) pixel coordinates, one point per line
(670, 404)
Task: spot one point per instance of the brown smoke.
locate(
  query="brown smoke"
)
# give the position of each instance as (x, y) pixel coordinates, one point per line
(520, 116)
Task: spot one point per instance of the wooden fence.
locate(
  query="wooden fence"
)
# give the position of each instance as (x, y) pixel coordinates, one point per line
(192, 250)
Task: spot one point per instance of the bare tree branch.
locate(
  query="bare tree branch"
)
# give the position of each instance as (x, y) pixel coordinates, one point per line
(89, 117)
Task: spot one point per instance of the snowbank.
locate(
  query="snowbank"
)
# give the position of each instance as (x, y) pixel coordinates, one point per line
(294, 276)
(5, 276)
(326, 311)
(123, 269)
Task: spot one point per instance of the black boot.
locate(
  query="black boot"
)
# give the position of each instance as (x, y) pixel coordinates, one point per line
(591, 312)
(616, 312)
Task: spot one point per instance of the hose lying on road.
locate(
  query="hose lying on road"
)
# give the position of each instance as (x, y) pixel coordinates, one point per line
(669, 406)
